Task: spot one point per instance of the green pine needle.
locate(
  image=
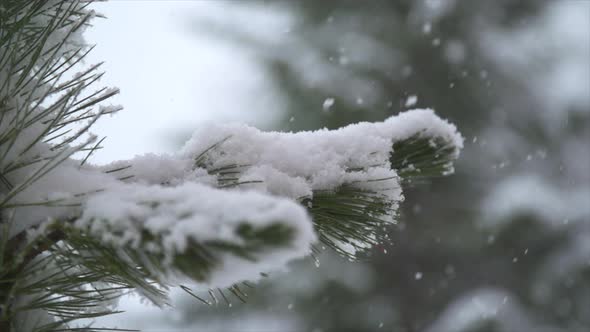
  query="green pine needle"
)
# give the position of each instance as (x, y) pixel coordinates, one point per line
(351, 216)
(422, 156)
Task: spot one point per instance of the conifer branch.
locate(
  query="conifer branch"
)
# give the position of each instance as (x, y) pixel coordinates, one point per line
(229, 208)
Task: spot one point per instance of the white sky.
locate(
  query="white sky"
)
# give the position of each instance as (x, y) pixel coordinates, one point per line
(174, 76)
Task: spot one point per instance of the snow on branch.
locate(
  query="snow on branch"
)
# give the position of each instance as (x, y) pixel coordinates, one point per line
(295, 164)
(349, 179)
(208, 235)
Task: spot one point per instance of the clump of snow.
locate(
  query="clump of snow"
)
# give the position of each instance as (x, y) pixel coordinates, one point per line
(110, 109)
(162, 169)
(324, 159)
(283, 184)
(174, 216)
(56, 195)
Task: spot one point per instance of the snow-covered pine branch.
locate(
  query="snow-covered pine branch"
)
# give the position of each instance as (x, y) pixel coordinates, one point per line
(235, 202)
(349, 179)
(195, 233)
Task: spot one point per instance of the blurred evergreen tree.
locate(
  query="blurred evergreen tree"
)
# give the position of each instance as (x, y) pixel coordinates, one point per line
(448, 255)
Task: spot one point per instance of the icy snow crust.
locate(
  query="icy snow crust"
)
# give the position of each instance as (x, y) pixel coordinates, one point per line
(273, 171)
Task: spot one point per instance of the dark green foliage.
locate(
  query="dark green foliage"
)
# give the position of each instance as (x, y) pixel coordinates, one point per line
(200, 258)
(68, 280)
(421, 156)
(76, 274)
(351, 216)
(440, 227)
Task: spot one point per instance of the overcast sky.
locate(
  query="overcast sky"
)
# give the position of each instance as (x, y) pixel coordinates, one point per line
(175, 75)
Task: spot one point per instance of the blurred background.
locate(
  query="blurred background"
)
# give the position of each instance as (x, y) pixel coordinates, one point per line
(503, 245)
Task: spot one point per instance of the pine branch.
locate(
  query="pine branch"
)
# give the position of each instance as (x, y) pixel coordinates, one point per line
(197, 239)
(352, 216)
(350, 220)
(39, 45)
(65, 283)
(49, 54)
(137, 227)
(76, 261)
(423, 156)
